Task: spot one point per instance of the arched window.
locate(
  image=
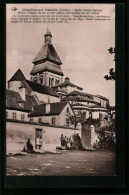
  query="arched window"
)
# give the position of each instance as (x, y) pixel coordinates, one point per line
(51, 81)
(57, 81)
(41, 79)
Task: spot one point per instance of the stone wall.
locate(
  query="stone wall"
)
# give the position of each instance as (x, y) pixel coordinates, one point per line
(17, 134)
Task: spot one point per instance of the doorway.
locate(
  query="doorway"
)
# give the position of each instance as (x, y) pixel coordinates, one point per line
(38, 138)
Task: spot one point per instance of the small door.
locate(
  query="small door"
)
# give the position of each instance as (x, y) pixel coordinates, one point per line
(38, 138)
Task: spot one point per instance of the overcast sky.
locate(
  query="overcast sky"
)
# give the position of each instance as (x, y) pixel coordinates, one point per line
(82, 47)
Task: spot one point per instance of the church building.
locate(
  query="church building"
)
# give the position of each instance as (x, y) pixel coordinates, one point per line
(47, 84)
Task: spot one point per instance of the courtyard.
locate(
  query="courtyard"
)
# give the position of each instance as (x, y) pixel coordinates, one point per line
(64, 163)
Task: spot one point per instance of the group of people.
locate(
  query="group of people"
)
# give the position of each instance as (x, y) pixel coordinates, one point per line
(66, 142)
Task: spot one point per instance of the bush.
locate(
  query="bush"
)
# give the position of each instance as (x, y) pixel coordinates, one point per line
(29, 146)
(106, 140)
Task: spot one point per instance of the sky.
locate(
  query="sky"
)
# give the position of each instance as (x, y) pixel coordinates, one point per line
(81, 45)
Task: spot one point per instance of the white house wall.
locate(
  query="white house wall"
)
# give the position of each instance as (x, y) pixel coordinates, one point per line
(17, 135)
(18, 114)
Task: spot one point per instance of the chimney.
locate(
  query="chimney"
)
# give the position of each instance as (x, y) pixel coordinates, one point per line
(22, 92)
(47, 108)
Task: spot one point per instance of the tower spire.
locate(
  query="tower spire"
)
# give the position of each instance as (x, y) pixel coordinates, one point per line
(48, 35)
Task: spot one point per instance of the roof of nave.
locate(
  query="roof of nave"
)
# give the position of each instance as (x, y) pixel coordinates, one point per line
(41, 88)
(55, 109)
(67, 83)
(18, 76)
(48, 52)
(47, 66)
(13, 99)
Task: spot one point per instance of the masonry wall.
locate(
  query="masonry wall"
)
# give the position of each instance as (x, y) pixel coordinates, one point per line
(45, 98)
(17, 134)
(14, 85)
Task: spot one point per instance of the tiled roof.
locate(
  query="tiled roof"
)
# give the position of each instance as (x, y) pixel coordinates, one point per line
(41, 88)
(97, 107)
(48, 52)
(67, 83)
(13, 99)
(78, 99)
(13, 95)
(55, 109)
(18, 76)
(102, 97)
(78, 104)
(47, 66)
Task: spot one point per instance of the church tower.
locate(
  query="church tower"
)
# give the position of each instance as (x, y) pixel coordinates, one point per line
(47, 64)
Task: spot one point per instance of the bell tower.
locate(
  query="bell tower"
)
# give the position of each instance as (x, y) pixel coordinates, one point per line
(47, 64)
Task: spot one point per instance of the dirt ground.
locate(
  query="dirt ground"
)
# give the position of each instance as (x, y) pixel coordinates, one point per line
(67, 163)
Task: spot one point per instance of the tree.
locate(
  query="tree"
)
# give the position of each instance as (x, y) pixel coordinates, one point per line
(112, 73)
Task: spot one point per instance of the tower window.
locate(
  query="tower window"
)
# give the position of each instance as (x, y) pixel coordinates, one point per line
(57, 81)
(41, 79)
(35, 79)
(51, 81)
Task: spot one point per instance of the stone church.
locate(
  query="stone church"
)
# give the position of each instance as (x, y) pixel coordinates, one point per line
(48, 85)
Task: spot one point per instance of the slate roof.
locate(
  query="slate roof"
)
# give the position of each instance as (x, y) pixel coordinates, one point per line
(67, 83)
(75, 93)
(13, 99)
(48, 52)
(41, 88)
(18, 76)
(55, 109)
(47, 66)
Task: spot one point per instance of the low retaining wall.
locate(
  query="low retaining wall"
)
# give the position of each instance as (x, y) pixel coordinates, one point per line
(17, 134)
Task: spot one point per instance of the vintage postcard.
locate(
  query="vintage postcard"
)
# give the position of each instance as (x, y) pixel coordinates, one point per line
(60, 90)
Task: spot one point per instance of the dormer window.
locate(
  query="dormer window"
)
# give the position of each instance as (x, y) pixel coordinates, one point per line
(21, 104)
